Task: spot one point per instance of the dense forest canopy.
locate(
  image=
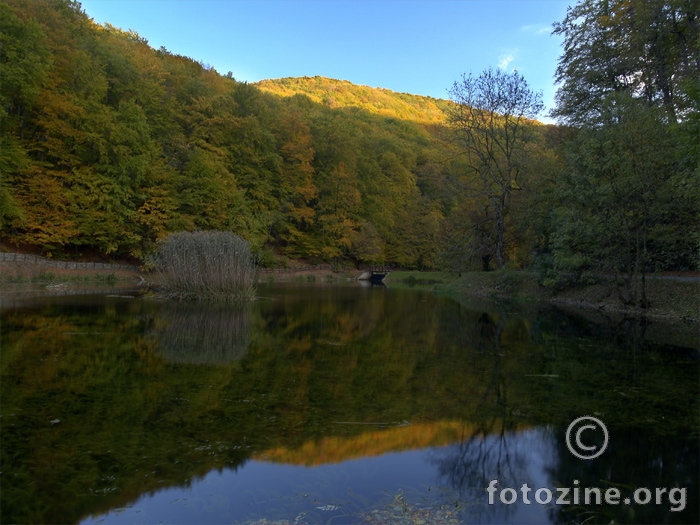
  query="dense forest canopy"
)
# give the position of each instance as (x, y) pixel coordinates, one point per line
(107, 145)
(630, 191)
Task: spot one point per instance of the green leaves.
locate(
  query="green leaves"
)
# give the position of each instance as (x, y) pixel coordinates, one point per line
(24, 60)
(646, 48)
(628, 197)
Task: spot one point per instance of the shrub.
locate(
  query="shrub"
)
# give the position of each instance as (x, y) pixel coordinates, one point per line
(211, 265)
(44, 276)
(108, 278)
(266, 258)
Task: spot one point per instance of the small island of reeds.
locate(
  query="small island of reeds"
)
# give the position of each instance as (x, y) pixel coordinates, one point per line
(206, 266)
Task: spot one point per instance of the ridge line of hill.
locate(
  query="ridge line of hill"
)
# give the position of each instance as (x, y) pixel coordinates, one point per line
(335, 93)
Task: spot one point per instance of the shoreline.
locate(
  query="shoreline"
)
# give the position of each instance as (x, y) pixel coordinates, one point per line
(672, 297)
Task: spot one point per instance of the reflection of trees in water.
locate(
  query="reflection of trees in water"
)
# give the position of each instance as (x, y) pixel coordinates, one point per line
(490, 448)
(632, 459)
(469, 466)
(635, 385)
(202, 334)
(329, 315)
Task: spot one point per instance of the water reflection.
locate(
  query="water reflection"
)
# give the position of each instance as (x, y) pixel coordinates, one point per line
(361, 393)
(202, 333)
(512, 458)
(634, 459)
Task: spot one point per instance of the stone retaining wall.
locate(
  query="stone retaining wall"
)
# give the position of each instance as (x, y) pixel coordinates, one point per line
(68, 265)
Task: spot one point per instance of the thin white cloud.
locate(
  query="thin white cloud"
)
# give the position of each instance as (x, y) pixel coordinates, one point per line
(504, 60)
(537, 29)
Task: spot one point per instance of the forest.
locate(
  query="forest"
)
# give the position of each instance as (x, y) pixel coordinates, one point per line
(108, 145)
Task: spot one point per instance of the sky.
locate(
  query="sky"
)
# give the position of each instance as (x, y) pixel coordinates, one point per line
(411, 46)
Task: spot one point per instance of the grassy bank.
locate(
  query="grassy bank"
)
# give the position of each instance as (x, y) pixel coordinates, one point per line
(21, 273)
(307, 275)
(414, 278)
(20, 279)
(671, 298)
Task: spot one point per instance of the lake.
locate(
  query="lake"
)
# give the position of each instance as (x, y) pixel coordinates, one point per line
(337, 403)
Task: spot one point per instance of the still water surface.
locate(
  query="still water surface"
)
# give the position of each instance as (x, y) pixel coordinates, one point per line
(334, 404)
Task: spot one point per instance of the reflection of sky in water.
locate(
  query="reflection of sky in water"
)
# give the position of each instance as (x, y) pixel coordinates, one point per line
(513, 459)
(310, 390)
(437, 475)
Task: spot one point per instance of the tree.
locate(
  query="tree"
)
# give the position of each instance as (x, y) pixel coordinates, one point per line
(649, 48)
(296, 191)
(628, 194)
(107, 145)
(24, 60)
(621, 209)
(367, 245)
(339, 200)
(489, 121)
(466, 237)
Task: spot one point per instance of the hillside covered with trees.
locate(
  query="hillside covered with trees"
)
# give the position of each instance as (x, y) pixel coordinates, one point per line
(107, 145)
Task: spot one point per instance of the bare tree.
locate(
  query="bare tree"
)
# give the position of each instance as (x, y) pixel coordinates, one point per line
(489, 122)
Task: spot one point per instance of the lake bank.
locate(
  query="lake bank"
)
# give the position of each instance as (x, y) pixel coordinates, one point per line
(672, 298)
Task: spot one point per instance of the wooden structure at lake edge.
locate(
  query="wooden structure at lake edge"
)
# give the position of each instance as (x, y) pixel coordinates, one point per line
(374, 275)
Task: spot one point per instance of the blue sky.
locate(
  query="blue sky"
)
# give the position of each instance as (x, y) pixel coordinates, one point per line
(417, 46)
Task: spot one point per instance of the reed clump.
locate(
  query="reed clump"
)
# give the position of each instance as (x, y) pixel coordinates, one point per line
(207, 265)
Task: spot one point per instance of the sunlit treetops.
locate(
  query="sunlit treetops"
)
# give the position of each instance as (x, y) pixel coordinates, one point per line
(342, 93)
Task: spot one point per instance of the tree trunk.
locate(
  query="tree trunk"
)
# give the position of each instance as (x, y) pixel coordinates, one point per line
(643, 302)
(628, 271)
(500, 230)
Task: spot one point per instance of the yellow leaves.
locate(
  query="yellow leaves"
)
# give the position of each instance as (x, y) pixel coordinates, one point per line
(342, 186)
(367, 244)
(126, 143)
(47, 220)
(344, 94)
(388, 437)
(303, 213)
(297, 148)
(155, 217)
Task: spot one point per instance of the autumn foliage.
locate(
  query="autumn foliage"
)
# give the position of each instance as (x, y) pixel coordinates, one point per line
(108, 146)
